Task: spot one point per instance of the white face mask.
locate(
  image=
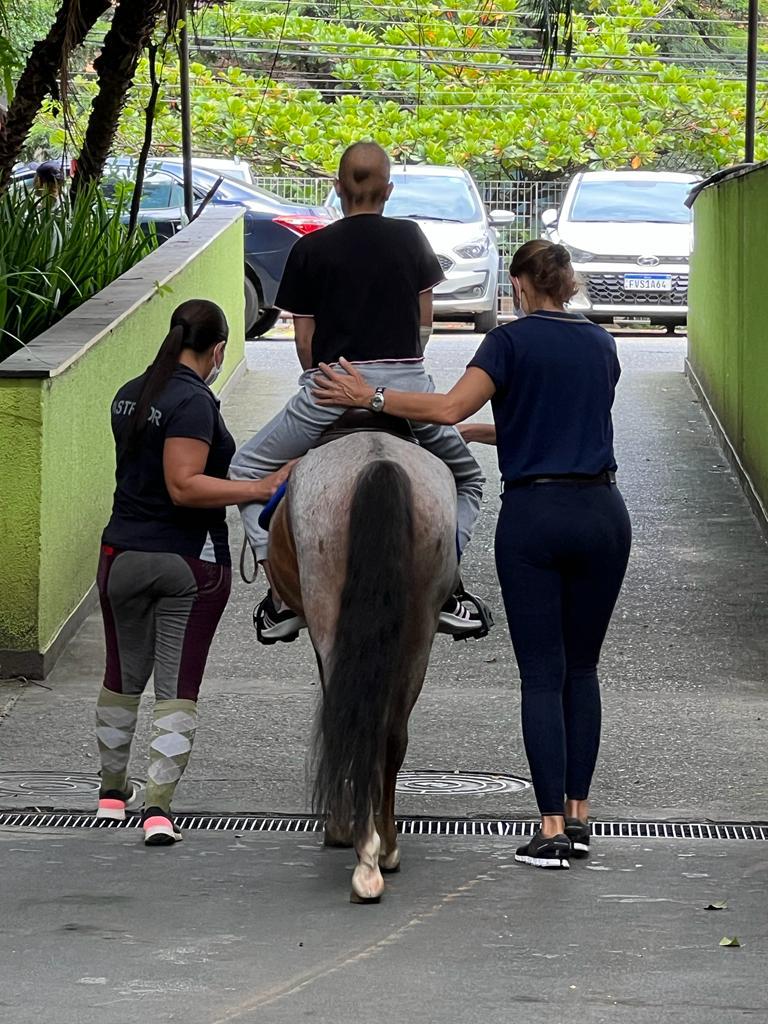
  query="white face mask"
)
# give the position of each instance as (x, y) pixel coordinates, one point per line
(215, 371)
(517, 307)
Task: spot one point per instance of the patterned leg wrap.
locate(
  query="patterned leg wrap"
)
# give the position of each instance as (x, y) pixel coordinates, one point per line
(173, 732)
(116, 715)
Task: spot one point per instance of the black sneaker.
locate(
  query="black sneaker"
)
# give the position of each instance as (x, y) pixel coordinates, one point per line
(272, 625)
(464, 617)
(578, 833)
(545, 851)
(159, 828)
(113, 803)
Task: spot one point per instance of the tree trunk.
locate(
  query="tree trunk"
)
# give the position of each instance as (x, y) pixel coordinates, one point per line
(39, 76)
(129, 33)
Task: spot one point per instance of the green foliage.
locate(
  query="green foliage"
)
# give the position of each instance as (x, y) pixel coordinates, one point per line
(452, 81)
(21, 25)
(54, 257)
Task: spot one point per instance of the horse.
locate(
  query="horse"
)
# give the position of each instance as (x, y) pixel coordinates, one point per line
(364, 547)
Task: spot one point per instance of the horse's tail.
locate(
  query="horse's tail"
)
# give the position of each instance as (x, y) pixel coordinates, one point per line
(367, 677)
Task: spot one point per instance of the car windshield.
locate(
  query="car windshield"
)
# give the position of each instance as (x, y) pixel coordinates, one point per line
(632, 202)
(430, 197)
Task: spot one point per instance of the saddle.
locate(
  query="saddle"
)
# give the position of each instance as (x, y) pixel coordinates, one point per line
(355, 421)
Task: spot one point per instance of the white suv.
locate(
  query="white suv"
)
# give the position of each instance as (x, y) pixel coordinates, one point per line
(630, 236)
(445, 203)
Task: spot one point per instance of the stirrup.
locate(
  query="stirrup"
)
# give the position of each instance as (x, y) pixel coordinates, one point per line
(483, 610)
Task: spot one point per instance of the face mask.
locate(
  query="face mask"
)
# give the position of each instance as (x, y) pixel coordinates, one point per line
(215, 371)
(517, 307)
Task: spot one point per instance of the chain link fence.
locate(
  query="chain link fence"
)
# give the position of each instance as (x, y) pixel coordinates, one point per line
(525, 198)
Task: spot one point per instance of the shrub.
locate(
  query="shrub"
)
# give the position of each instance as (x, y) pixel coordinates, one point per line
(54, 257)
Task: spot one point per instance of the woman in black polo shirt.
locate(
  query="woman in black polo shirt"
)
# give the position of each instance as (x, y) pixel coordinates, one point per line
(164, 573)
(563, 536)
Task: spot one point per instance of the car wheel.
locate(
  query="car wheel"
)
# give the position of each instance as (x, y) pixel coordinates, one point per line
(486, 321)
(258, 318)
(670, 325)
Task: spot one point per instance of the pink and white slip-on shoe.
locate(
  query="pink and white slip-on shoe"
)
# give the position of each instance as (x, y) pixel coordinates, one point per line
(113, 804)
(159, 828)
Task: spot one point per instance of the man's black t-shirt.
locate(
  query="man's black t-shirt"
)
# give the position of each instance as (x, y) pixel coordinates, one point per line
(555, 376)
(360, 278)
(143, 516)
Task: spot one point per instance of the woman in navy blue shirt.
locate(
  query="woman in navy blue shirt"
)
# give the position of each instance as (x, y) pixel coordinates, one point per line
(563, 536)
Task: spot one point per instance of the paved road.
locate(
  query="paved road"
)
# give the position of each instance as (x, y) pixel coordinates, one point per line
(256, 928)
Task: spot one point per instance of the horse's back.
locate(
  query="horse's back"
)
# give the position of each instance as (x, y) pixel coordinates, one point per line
(321, 492)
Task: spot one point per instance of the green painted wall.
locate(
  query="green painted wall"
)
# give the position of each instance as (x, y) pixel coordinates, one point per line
(21, 435)
(728, 297)
(56, 449)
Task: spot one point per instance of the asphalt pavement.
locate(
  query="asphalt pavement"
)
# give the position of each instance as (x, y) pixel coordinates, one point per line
(254, 927)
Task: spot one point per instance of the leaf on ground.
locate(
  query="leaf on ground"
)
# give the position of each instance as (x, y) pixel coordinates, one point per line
(717, 905)
(725, 941)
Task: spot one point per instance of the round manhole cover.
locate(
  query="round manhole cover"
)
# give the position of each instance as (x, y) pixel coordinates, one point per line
(426, 783)
(48, 783)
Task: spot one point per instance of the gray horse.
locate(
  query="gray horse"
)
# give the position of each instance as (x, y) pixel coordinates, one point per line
(364, 547)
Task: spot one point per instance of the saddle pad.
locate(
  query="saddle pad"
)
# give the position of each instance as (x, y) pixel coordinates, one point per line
(265, 516)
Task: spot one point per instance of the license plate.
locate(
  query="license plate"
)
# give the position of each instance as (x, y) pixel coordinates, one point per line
(648, 282)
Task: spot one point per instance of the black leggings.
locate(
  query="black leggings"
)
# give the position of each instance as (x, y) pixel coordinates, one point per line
(561, 555)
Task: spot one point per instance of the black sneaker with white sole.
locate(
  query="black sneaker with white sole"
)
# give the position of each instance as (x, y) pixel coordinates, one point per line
(159, 828)
(578, 833)
(545, 851)
(464, 617)
(273, 625)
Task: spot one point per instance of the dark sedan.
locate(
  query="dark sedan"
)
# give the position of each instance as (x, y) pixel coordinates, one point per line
(272, 226)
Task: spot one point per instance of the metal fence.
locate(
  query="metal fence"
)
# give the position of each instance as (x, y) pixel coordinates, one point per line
(526, 199)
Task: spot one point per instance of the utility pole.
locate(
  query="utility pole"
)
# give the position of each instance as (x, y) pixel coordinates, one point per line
(186, 110)
(749, 128)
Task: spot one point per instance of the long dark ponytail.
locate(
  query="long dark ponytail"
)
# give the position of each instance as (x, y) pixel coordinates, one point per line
(197, 324)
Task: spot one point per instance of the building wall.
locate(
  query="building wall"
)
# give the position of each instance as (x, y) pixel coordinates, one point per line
(727, 324)
(56, 450)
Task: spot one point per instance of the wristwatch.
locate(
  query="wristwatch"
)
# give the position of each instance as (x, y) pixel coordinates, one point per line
(377, 400)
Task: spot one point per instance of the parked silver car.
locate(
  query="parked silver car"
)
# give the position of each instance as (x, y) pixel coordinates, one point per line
(630, 237)
(445, 203)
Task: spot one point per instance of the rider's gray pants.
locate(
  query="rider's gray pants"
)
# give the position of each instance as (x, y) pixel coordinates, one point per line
(296, 428)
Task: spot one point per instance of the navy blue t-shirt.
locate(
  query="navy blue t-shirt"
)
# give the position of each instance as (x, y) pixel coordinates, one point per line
(555, 377)
(143, 516)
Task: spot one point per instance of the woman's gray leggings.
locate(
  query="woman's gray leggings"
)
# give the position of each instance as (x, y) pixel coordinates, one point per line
(161, 611)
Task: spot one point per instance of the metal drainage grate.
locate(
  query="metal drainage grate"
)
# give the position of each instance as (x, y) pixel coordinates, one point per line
(434, 783)
(407, 826)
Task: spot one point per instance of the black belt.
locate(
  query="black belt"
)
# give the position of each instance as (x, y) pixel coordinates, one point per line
(606, 477)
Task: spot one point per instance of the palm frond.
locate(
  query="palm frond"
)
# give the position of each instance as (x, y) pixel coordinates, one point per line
(554, 23)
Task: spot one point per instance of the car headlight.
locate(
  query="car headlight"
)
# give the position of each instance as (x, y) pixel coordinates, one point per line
(474, 250)
(579, 255)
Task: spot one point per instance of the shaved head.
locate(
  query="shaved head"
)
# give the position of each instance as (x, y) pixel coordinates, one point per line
(363, 180)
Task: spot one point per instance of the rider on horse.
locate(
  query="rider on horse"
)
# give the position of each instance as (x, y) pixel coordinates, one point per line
(360, 288)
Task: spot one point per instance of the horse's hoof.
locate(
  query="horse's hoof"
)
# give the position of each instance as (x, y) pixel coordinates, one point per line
(389, 863)
(357, 898)
(337, 837)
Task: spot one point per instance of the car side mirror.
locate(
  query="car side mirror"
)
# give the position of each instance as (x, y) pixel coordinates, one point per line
(549, 218)
(500, 218)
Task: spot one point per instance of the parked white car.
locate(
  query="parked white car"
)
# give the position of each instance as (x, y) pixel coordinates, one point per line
(446, 204)
(630, 236)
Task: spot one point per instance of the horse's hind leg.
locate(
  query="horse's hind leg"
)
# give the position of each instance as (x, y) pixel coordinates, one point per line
(389, 857)
(367, 880)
